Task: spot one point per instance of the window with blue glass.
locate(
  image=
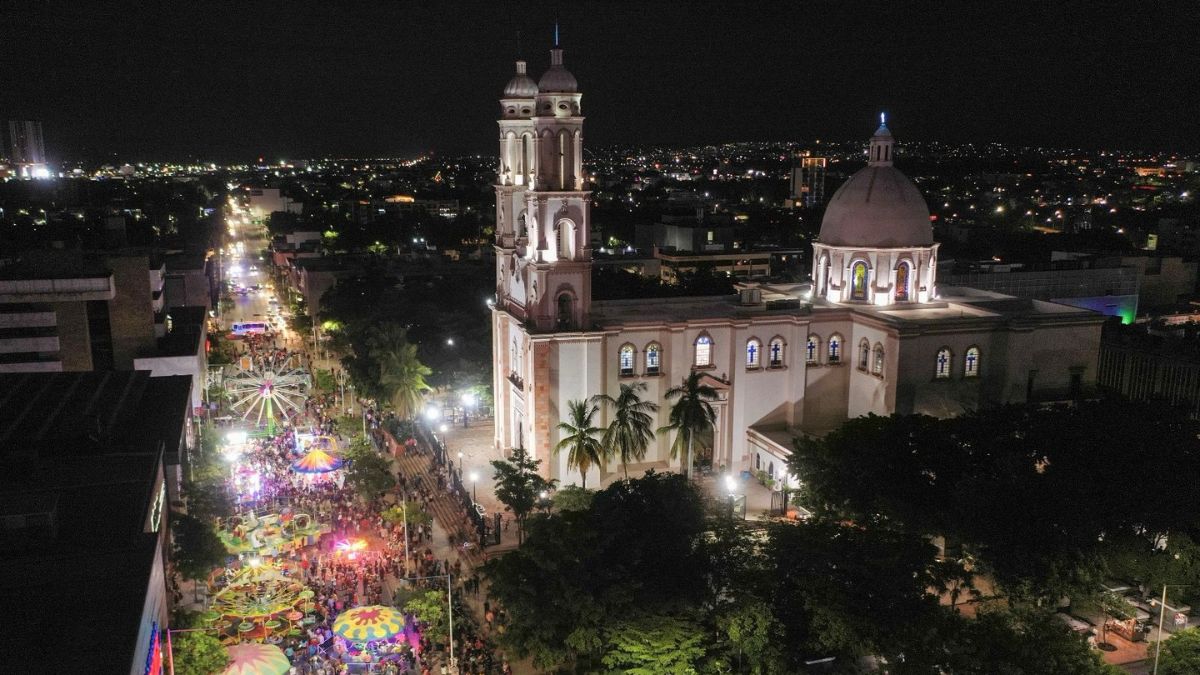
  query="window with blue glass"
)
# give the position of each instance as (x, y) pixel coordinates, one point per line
(625, 360)
(753, 353)
(942, 364)
(810, 349)
(971, 363)
(704, 346)
(653, 358)
(835, 349)
(775, 353)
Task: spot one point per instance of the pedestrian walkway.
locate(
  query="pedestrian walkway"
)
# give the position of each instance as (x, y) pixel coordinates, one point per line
(442, 507)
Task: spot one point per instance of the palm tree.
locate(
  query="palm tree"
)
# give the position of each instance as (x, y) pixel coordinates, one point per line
(401, 373)
(630, 431)
(579, 440)
(691, 415)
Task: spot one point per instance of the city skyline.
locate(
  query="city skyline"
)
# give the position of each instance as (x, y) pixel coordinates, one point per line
(240, 83)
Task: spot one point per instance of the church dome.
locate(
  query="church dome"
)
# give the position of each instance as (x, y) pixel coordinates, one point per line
(879, 207)
(521, 85)
(558, 79)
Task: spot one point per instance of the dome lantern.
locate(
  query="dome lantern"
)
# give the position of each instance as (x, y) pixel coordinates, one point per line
(882, 144)
(557, 79)
(878, 207)
(521, 85)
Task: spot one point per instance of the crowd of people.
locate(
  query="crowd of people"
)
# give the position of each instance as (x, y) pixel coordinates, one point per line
(362, 557)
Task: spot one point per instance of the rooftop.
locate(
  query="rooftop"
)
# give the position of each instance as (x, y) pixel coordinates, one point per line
(788, 300)
(90, 413)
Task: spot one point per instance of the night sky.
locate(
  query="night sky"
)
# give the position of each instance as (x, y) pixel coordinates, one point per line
(234, 81)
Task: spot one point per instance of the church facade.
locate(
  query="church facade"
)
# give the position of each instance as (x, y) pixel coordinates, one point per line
(872, 332)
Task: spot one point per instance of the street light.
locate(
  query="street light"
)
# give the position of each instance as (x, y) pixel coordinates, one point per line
(1162, 612)
(474, 479)
(432, 413)
(468, 401)
(731, 487)
(444, 428)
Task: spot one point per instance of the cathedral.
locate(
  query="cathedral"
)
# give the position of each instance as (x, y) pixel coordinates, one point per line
(872, 333)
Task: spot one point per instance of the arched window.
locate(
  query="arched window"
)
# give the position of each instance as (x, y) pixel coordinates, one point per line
(811, 348)
(562, 160)
(942, 365)
(902, 274)
(775, 353)
(864, 355)
(653, 358)
(565, 310)
(564, 239)
(877, 367)
(835, 348)
(753, 353)
(971, 363)
(858, 281)
(625, 360)
(703, 351)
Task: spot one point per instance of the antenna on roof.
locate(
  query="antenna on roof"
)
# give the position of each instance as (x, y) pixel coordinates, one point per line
(518, 43)
(556, 32)
(883, 119)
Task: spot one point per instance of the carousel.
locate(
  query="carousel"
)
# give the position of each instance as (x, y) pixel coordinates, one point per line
(272, 534)
(263, 602)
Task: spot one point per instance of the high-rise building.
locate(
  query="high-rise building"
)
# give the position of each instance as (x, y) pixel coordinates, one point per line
(27, 151)
(808, 181)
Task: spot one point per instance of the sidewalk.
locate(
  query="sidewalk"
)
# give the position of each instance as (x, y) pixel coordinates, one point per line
(477, 445)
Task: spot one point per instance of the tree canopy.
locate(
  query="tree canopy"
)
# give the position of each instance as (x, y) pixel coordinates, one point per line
(519, 485)
(197, 548)
(198, 653)
(1048, 500)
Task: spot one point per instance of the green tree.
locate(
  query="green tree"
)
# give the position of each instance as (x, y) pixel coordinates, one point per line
(197, 550)
(851, 590)
(430, 608)
(654, 645)
(631, 429)
(635, 551)
(198, 653)
(1007, 483)
(1025, 639)
(579, 439)
(573, 498)
(690, 417)
(749, 630)
(1180, 653)
(518, 485)
(369, 473)
(401, 377)
(416, 514)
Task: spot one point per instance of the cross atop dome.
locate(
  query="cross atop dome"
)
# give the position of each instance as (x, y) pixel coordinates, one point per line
(882, 144)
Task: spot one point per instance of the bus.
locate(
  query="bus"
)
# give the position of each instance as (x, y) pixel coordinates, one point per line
(250, 327)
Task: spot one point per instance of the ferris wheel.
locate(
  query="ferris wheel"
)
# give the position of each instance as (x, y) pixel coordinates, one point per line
(268, 387)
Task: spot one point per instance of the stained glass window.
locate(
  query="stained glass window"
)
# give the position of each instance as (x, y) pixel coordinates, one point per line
(858, 281)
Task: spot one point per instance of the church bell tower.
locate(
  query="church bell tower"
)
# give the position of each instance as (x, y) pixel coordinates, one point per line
(543, 226)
